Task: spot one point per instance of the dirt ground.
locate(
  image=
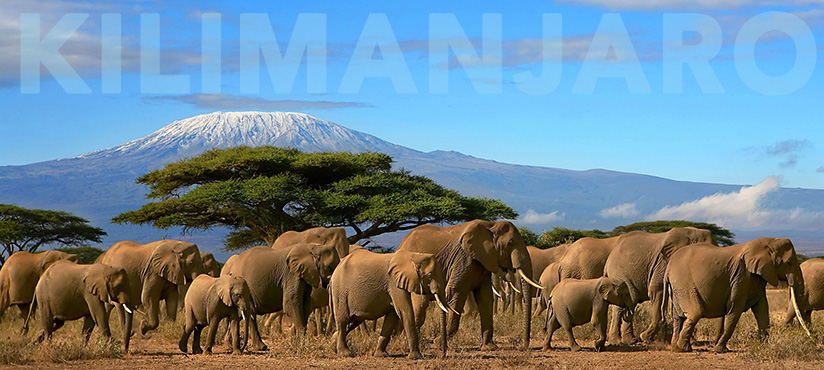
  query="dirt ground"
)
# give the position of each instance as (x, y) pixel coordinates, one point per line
(159, 351)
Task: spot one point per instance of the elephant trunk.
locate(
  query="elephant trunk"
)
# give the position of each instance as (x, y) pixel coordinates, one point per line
(523, 265)
(527, 310)
(127, 331)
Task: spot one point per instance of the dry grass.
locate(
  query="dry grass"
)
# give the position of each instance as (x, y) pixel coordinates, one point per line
(785, 345)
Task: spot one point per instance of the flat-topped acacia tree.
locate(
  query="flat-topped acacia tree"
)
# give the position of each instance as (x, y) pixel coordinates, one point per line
(261, 192)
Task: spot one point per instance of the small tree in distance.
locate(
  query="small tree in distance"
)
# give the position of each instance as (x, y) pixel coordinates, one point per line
(23, 229)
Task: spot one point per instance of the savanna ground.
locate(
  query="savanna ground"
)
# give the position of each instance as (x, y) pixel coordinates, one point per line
(786, 348)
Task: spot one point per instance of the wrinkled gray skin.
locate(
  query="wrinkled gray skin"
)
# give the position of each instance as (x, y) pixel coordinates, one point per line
(577, 302)
(210, 300)
(368, 286)
(283, 279)
(470, 252)
(813, 297)
(640, 259)
(19, 276)
(710, 281)
(68, 291)
(541, 258)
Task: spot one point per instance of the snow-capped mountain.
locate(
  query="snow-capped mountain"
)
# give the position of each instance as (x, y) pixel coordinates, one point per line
(100, 185)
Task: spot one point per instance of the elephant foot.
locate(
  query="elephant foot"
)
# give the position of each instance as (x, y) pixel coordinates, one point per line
(258, 347)
(647, 337)
(182, 346)
(346, 352)
(630, 340)
(574, 348)
(208, 350)
(614, 339)
(678, 349)
(237, 351)
(491, 346)
(197, 350)
(721, 348)
(599, 345)
(414, 356)
(381, 353)
(546, 348)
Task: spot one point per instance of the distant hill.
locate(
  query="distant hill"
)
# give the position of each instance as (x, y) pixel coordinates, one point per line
(100, 184)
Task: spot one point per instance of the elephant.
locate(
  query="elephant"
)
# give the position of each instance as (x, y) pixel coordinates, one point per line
(541, 258)
(368, 286)
(549, 279)
(155, 270)
(332, 236)
(577, 302)
(210, 265)
(640, 259)
(209, 300)
(469, 253)
(283, 279)
(813, 299)
(68, 291)
(19, 276)
(319, 301)
(705, 280)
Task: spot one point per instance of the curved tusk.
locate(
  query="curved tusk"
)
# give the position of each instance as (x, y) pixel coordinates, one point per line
(496, 292)
(242, 315)
(127, 308)
(798, 312)
(440, 304)
(513, 287)
(528, 280)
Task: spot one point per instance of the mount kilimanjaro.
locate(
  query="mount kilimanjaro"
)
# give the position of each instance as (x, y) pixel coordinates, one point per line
(100, 185)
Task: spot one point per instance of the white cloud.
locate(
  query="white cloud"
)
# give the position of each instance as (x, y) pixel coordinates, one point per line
(532, 217)
(743, 210)
(624, 210)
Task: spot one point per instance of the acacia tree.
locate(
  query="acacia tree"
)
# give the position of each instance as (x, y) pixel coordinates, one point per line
(720, 235)
(261, 192)
(23, 229)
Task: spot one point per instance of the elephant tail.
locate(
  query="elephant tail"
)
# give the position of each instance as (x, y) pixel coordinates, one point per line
(667, 297)
(33, 307)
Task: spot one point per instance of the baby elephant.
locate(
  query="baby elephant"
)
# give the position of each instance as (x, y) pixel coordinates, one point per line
(68, 291)
(576, 302)
(208, 301)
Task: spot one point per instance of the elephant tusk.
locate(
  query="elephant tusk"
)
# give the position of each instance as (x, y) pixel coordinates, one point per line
(496, 292)
(528, 280)
(440, 304)
(798, 312)
(513, 287)
(127, 308)
(242, 315)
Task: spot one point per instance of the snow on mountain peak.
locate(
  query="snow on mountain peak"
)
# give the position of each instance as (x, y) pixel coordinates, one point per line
(191, 136)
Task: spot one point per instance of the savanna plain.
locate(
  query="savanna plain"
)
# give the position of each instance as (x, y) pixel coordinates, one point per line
(786, 348)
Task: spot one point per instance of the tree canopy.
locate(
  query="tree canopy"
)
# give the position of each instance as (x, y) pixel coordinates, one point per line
(720, 235)
(23, 229)
(261, 192)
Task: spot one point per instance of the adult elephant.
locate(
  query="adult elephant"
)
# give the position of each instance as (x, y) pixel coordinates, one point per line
(640, 259)
(332, 236)
(283, 279)
(711, 281)
(155, 270)
(210, 265)
(469, 253)
(813, 297)
(19, 276)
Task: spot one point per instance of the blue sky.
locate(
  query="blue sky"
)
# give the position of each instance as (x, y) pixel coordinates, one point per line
(739, 134)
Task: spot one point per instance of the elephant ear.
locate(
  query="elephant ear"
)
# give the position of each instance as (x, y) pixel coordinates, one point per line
(478, 243)
(404, 271)
(223, 287)
(49, 258)
(302, 262)
(165, 262)
(97, 283)
(759, 260)
(674, 240)
(605, 288)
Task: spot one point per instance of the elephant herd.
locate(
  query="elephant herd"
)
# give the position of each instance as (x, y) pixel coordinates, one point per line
(596, 281)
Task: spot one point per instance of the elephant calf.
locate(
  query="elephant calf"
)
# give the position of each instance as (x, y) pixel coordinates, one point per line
(577, 302)
(367, 286)
(208, 301)
(68, 291)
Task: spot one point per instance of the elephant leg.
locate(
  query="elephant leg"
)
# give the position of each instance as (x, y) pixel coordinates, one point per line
(100, 315)
(420, 303)
(730, 321)
(600, 326)
(171, 300)
(573, 344)
(615, 313)
(342, 324)
(684, 340)
(656, 319)
(403, 307)
(88, 326)
(552, 325)
(188, 327)
(24, 310)
(235, 323)
(151, 299)
(390, 321)
(719, 330)
(318, 321)
(483, 296)
(761, 311)
(627, 329)
(210, 335)
(257, 342)
(196, 340)
(540, 307)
